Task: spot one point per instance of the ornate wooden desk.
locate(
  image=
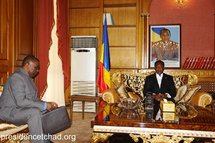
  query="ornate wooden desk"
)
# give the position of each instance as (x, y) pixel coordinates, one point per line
(202, 126)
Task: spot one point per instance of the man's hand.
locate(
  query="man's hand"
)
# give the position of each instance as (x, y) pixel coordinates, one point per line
(163, 96)
(160, 97)
(51, 106)
(157, 97)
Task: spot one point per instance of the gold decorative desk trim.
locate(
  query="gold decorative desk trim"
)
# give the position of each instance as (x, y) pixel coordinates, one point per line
(153, 131)
(147, 138)
(103, 137)
(100, 137)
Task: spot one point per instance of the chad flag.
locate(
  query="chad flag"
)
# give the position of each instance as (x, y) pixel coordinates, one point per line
(103, 81)
(156, 34)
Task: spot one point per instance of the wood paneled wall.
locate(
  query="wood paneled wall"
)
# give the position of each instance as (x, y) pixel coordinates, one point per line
(16, 36)
(128, 37)
(23, 28)
(6, 38)
(125, 36)
(84, 17)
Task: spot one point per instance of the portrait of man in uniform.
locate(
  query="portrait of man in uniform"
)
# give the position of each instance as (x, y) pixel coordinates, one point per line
(165, 45)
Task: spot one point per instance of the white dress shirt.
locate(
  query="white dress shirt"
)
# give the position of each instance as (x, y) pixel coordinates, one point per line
(159, 79)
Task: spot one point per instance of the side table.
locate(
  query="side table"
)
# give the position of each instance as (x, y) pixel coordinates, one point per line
(84, 99)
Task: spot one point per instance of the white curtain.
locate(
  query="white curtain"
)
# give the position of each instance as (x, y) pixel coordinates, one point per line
(55, 77)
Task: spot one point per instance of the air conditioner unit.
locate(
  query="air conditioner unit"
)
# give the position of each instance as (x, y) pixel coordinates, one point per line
(83, 70)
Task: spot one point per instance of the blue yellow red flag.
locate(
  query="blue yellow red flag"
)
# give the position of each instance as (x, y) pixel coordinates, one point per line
(103, 81)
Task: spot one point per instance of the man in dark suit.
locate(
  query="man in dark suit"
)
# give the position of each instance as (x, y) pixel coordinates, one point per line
(19, 102)
(161, 86)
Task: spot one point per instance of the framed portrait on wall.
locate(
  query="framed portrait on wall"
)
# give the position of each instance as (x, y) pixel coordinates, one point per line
(165, 45)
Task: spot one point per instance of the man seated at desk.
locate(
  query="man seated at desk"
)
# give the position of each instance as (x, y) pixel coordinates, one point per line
(161, 86)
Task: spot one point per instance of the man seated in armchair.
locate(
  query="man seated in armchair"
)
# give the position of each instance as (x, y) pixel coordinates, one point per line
(19, 102)
(188, 93)
(161, 86)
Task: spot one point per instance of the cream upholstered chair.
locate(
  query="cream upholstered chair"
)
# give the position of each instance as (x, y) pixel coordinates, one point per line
(7, 129)
(1, 89)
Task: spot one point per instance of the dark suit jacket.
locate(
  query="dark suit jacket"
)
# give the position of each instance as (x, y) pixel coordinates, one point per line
(167, 86)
